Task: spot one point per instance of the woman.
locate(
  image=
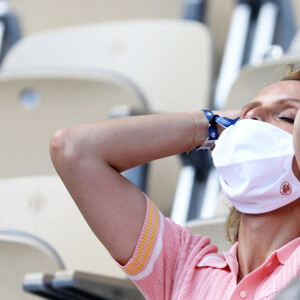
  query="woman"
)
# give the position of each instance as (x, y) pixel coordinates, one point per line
(163, 259)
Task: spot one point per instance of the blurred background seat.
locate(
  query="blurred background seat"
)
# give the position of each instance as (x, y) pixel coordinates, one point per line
(253, 78)
(43, 15)
(169, 61)
(37, 16)
(77, 285)
(36, 104)
(42, 206)
(22, 253)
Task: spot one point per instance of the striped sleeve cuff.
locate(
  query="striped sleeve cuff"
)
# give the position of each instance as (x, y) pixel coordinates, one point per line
(149, 245)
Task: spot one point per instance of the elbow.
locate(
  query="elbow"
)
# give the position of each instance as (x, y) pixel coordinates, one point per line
(57, 142)
(63, 149)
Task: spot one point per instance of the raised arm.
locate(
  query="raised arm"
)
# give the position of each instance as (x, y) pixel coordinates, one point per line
(89, 158)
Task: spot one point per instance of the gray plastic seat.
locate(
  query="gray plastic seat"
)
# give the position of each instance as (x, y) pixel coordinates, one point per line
(35, 105)
(42, 206)
(170, 61)
(40, 15)
(22, 253)
(253, 79)
(76, 285)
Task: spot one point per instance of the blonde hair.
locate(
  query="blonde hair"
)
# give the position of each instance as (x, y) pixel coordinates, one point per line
(233, 225)
(292, 73)
(234, 217)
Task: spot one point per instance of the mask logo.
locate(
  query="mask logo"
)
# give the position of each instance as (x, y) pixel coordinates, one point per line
(285, 188)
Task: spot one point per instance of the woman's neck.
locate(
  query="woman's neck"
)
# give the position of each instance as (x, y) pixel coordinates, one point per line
(261, 234)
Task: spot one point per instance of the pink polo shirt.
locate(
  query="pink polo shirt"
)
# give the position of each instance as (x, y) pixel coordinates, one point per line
(171, 263)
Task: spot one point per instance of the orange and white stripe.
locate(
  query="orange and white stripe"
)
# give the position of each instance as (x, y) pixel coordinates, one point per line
(149, 245)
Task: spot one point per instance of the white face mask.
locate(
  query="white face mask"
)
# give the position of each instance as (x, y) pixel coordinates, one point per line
(254, 160)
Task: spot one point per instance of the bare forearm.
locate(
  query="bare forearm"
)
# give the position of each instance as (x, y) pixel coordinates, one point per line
(126, 142)
(132, 141)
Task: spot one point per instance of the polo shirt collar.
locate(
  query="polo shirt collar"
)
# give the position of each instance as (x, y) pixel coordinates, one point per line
(213, 260)
(286, 251)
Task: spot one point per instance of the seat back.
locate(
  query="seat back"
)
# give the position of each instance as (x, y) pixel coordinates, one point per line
(171, 61)
(55, 14)
(22, 253)
(253, 79)
(41, 205)
(34, 106)
(42, 14)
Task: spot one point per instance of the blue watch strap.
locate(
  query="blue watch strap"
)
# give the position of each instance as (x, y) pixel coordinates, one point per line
(212, 127)
(216, 119)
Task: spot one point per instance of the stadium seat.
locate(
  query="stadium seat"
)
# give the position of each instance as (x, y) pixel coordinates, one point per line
(22, 253)
(253, 79)
(42, 14)
(42, 206)
(35, 105)
(76, 285)
(171, 62)
(55, 14)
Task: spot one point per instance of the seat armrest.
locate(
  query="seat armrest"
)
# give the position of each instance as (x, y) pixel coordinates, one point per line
(89, 284)
(76, 285)
(40, 284)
